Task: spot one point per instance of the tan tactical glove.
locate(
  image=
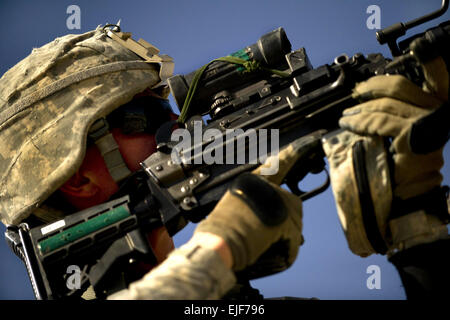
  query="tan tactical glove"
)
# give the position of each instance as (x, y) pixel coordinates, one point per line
(252, 216)
(369, 201)
(396, 103)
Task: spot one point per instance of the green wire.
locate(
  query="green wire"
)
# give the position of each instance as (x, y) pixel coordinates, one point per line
(250, 66)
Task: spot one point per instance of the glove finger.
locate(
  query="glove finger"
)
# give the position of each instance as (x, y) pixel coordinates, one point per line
(284, 160)
(293, 205)
(374, 123)
(437, 78)
(390, 106)
(294, 224)
(397, 87)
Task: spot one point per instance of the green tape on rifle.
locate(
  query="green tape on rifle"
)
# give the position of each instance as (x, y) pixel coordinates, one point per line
(83, 229)
(243, 55)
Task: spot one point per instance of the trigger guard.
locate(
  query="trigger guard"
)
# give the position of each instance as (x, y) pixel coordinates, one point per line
(293, 187)
(305, 195)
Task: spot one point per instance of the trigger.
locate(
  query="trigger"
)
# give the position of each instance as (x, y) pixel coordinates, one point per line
(293, 187)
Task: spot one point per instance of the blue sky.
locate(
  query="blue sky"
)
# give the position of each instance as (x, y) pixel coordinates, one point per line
(197, 31)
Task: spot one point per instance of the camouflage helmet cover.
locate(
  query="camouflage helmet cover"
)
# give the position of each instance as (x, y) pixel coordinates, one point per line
(48, 101)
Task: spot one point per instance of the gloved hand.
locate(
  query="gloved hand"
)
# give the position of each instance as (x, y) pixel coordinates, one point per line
(249, 223)
(395, 104)
(252, 216)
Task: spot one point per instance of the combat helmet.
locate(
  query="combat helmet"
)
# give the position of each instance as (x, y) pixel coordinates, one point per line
(50, 99)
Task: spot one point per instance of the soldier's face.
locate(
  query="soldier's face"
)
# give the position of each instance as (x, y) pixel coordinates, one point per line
(93, 185)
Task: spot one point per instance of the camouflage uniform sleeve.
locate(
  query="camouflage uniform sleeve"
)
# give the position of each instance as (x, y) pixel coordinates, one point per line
(190, 272)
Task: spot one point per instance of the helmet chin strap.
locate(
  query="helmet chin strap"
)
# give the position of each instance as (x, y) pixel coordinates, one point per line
(109, 149)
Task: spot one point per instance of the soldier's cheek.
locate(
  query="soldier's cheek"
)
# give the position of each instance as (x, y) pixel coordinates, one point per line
(135, 147)
(91, 184)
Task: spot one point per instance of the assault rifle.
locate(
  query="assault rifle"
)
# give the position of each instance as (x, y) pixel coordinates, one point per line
(264, 86)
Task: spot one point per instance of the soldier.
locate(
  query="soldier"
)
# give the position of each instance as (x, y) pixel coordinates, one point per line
(65, 143)
(78, 115)
(66, 147)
